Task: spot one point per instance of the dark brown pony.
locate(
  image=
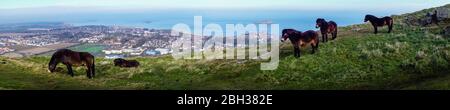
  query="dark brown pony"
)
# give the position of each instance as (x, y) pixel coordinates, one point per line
(326, 28)
(434, 17)
(71, 58)
(301, 39)
(125, 63)
(378, 22)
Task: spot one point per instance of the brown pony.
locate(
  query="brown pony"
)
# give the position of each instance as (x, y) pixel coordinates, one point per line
(71, 58)
(125, 63)
(378, 22)
(326, 28)
(301, 39)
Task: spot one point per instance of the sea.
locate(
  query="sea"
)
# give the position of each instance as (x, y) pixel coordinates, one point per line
(166, 19)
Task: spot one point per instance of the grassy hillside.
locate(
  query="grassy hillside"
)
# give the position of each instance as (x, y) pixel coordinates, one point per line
(411, 57)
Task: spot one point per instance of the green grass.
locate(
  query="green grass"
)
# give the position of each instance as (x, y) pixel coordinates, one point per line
(363, 61)
(95, 49)
(409, 58)
(91, 48)
(16, 76)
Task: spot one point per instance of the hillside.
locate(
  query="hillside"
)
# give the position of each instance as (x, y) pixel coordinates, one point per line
(412, 57)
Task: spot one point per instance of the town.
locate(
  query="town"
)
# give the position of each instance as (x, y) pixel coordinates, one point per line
(21, 40)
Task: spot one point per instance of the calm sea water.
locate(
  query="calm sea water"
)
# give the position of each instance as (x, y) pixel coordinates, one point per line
(301, 20)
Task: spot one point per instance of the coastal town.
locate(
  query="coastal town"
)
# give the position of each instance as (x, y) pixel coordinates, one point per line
(106, 41)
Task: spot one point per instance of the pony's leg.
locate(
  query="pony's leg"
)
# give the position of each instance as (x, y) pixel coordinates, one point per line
(295, 45)
(390, 28)
(313, 46)
(375, 29)
(88, 71)
(334, 35)
(69, 68)
(297, 52)
(323, 37)
(93, 70)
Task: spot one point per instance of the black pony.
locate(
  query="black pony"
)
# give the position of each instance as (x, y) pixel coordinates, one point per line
(434, 17)
(378, 22)
(301, 39)
(327, 27)
(125, 63)
(71, 58)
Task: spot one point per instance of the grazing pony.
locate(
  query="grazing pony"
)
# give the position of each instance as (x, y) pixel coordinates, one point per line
(327, 27)
(378, 22)
(301, 39)
(71, 58)
(125, 63)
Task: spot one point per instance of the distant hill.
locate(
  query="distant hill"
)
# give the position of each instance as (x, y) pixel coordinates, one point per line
(20, 27)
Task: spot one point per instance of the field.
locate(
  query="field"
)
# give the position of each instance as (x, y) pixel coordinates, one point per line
(44, 49)
(411, 57)
(94, 49)
(91, 48)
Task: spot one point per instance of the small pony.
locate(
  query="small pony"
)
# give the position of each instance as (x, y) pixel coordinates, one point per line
(434, 17)
(71, 58)
(125, 63)
(326, 28)
(378, 22)
(301, 39)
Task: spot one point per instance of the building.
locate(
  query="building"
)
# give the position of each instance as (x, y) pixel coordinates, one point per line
(112, 52)
(135, 54)
(113, 56)
(163, 51)
(4, 50)
(152, 52)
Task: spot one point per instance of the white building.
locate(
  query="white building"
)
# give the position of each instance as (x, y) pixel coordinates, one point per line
(112, 52)
(163, 51)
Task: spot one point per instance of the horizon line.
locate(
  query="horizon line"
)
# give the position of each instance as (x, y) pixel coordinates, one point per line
(338, 8)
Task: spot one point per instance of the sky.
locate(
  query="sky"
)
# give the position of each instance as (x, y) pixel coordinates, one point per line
(228, 4)
(15, 11)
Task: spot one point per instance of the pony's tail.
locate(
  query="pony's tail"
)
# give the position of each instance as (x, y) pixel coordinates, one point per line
(335, 32)
(93, 67)
(391, 24)
(317, 43)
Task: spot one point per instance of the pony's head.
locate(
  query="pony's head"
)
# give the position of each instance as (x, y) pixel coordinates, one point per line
(289, 33)
(367, 18)
(284, 35)
(320, 22)
(118, 61)
(52, 65)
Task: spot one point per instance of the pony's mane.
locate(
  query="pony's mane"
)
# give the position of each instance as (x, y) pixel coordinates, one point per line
(321, 20)
(54, 56)
(371, 16)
